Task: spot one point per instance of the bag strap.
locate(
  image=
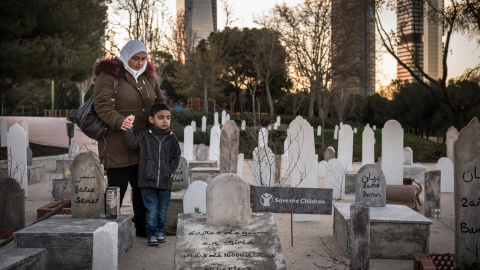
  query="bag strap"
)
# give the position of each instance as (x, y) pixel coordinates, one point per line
(115, 91)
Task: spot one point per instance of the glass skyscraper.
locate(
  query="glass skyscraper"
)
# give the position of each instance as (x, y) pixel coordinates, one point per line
(196, 19)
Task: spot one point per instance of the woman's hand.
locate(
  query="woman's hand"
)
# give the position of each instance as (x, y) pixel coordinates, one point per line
(128, 122)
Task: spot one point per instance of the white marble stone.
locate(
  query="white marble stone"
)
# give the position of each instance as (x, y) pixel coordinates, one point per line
(319, 130)
(227, 117)
(105, 247)
(452, 136)
(194, 126)
(17, 156)
(224, 115)
(355, 130)
(321, 168)
(446, 167)
(263, 166)
(284, 172)
(240, 164)
(345, 146)
(74, 150)
(368, 148)
(263, 137)
(24, 125)
(243, 125)
(374, 127)
(407, 156)
(204, 123)
(335, 133)
(195, 197)
(215, 119)
(188, 143)
(278, 120)
(392, 152)
(335, 178)
(301, 155)
(214, 152)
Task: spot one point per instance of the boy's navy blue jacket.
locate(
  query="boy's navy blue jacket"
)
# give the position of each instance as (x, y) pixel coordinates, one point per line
(159, 156)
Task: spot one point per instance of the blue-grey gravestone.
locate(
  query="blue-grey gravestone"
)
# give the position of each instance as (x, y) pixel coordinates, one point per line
(370, 185)
(467, 192)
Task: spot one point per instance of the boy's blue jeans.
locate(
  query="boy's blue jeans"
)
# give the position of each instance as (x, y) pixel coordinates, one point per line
(156, 202)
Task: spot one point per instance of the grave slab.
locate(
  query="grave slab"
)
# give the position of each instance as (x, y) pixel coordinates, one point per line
(198, 163)
(396, 231)
(205, 174)
(23, 258)
(415, 171)
(254, 246)
(36, 174)
(72, 238)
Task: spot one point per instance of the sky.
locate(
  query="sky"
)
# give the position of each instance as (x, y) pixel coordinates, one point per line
(464, 52)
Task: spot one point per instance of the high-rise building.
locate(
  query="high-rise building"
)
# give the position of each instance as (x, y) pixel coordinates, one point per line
(353, 47)
(196, 19)
(420, 39)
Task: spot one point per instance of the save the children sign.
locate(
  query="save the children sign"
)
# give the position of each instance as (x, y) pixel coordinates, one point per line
(292, 200)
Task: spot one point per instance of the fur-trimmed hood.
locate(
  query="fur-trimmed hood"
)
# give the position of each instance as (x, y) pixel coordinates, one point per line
(115, 67)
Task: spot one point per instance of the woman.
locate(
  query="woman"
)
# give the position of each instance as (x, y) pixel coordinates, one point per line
(137, 91)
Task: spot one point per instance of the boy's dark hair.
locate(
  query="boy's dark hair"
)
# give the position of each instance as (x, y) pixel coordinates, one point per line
(158, 107)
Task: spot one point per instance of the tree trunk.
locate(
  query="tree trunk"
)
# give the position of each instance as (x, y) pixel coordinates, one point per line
(312, 101)
(205, 96)
(269, 99)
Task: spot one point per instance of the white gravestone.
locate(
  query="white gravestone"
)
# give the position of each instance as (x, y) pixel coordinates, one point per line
(214, 152)
(224, 115)
(278, 120)
(227, 118)
(345, 146)
(194, 126)
(263, 166)
(329, 153)
(341, 124)
(74, 150)
(105, 247)
(228, 201)
(17, 156)
(263, 137)
(392, 152)
(335, 178)
(452, 136)
(188, 143)
(467, 192)
(407, 156)
(374, 127)
(195, 197)
(269, 127)
(335, 133)
(3, 132)
(275, 126)
(355, 130)
(215, 119)
(284, 172)
(301, 155)
(201, 153)
(204, 123)
(319, 131)
(321, 168)
(24, 125)
(243, 125)
(446, 167)
(240, 164)
(368, 146)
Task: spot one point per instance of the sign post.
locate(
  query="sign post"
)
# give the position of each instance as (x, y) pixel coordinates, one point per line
(292, 200)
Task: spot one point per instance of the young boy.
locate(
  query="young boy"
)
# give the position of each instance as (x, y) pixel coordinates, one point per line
(159, 157)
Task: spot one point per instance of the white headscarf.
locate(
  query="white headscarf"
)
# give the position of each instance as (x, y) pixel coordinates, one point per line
(130, 49)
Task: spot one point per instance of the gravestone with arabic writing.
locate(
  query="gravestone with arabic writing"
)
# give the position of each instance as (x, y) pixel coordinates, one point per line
(370, 186)
(88, 187)
(181, 174)
(467, 192)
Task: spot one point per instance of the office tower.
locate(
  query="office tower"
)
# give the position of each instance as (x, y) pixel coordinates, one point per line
(420, 39)
(196, 19)
(353, 47)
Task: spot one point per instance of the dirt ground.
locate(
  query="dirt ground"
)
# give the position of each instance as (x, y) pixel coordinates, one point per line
(314, 246)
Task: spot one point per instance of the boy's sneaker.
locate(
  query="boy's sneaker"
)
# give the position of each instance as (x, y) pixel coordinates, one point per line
(152, 240)
(160, 237)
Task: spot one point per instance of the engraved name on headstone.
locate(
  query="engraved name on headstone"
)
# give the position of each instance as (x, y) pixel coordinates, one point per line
(88, 187)
(181, 175)
(370, 186)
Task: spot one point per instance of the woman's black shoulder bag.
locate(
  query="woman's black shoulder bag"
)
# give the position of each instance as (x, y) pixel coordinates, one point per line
(88, 120)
